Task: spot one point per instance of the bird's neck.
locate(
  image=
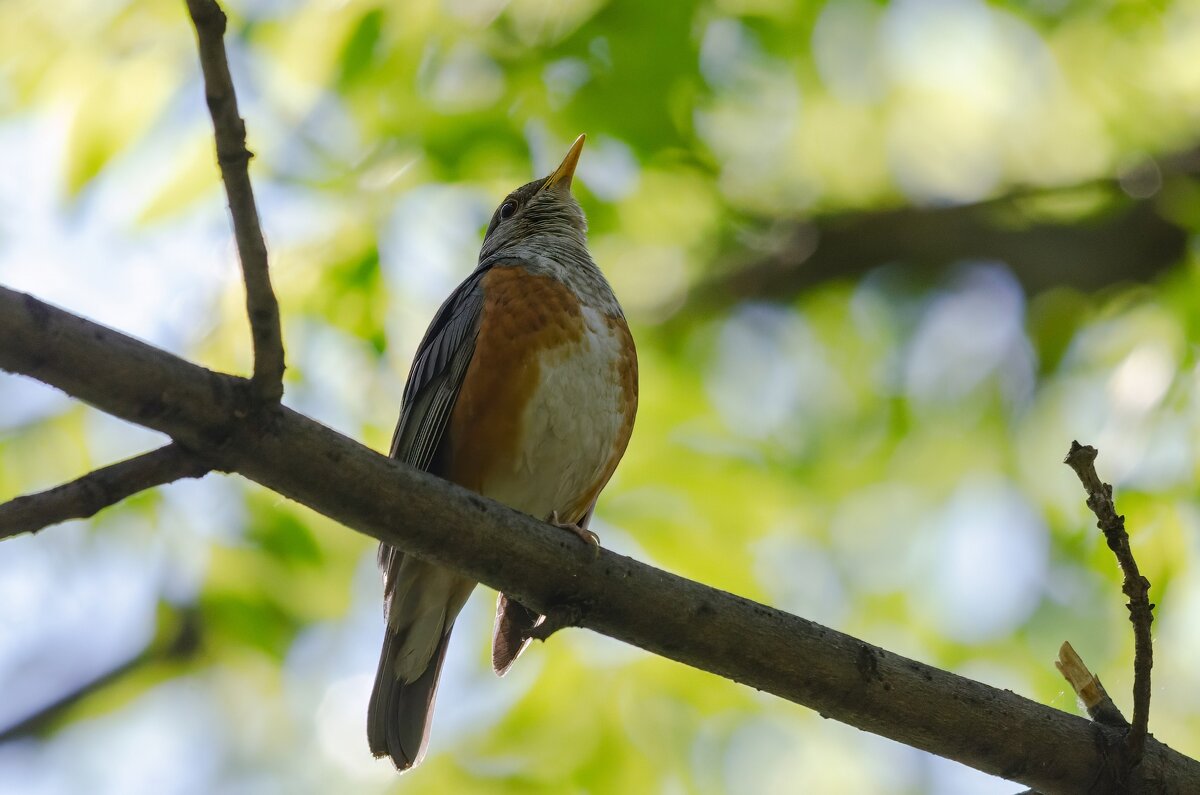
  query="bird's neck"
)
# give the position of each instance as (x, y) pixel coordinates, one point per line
(566, 259)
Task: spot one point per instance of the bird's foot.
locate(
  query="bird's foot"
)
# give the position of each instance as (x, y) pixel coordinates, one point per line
(585, 535)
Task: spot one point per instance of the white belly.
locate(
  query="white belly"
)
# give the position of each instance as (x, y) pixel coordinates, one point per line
(573, 423)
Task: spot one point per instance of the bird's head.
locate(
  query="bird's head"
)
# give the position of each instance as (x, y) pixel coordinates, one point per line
(542, 213)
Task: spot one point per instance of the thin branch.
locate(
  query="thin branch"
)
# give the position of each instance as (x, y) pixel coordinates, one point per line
(540, 566)
(97, 490)
(1082, 459)
(1088, 688)
(234, 158)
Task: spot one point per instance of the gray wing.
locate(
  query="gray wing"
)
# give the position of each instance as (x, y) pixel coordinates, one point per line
(437, 373)
(433, 383)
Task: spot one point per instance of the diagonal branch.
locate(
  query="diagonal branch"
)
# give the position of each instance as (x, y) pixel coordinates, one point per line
(234, 159)
(97, 490)
(859, 684)
(1082, 459)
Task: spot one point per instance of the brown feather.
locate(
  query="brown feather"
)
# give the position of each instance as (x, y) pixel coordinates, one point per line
(511, 634)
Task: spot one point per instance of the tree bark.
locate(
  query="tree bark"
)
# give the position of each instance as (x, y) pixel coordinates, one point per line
(993, 730)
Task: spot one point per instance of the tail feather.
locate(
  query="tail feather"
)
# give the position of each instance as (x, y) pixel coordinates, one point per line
(400, 713)
(422, 601)
(511, 634)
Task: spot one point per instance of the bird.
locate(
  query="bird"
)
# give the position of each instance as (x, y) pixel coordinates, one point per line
(524, 389)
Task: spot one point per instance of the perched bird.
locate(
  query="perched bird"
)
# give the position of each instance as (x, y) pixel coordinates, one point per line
(524, 390)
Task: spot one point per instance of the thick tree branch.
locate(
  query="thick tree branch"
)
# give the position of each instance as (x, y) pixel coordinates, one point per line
(97, 490)
(1134, 238)
(843, 678)
(234, 159)
(1082, 459)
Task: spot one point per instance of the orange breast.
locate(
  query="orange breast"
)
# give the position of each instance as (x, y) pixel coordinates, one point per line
(547, 404)
(522, 314)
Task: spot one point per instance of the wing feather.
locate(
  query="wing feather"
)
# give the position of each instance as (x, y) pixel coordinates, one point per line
(437, 373)
(433, 382)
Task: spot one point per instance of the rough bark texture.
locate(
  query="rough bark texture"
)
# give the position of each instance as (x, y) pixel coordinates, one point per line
(843, 678)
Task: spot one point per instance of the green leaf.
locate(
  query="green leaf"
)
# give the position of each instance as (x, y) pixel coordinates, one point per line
(284, 537)
(361, 47)
(250, 620)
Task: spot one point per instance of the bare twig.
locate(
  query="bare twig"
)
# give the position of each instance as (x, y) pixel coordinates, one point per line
(843, 678)
(97, 490)
(1088, 688)
(1082, 459)
(233, 158)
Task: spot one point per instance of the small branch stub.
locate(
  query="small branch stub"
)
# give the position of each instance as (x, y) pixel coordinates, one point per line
(556, 619)
(1082, 459)
(1088, 688)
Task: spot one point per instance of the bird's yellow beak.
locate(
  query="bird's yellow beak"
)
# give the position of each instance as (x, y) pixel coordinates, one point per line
(566, 169)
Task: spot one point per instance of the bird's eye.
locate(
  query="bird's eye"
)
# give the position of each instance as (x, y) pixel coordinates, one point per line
(507, 209)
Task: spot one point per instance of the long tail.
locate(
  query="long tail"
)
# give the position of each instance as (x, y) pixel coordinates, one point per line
(400, 712)
(422, 601)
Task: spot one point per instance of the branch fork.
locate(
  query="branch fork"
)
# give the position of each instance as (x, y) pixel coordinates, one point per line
(89, 494)
(1082, 459)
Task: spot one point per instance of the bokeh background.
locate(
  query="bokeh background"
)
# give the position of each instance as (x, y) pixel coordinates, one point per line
(883, 262)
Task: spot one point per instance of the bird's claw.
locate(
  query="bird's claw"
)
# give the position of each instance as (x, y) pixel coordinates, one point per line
(585, 535)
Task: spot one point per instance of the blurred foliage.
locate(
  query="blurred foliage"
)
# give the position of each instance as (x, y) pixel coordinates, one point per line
(882, 455)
